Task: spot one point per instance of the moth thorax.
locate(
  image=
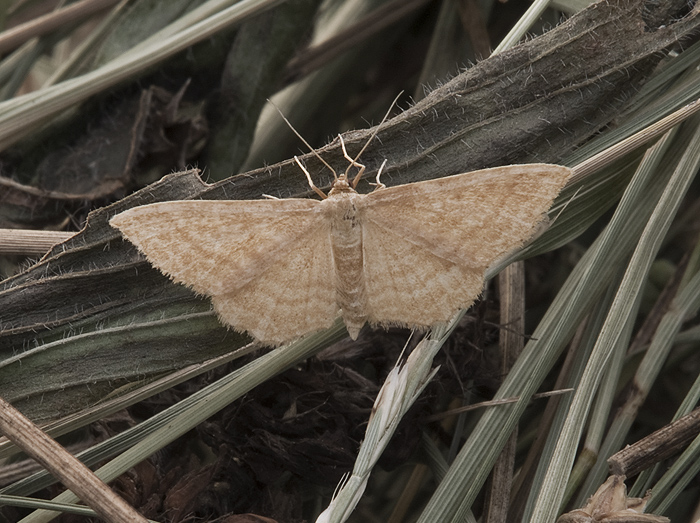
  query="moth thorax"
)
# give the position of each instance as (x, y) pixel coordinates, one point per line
(341, 186)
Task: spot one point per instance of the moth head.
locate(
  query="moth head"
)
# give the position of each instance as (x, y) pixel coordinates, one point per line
(341, 185)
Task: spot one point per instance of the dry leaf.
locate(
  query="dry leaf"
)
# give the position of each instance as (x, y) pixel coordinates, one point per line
(610, 504)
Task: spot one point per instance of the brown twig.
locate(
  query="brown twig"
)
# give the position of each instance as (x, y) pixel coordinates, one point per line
(318, 55)
(512, 340)
(41, 25)
(657, 446)
(492, 403)
(72, 473)
(473, 21)
(660, 308)
(30, 243)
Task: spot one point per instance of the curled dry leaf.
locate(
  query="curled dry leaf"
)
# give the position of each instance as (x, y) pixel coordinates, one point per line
(610, 504)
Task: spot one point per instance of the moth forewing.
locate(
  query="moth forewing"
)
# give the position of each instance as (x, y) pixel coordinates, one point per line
(216, 246)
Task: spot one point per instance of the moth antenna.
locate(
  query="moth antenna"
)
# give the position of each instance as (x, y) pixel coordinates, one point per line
(379, 184)
(376, 129)
(324, 162)
(311, 182)
(354, 162)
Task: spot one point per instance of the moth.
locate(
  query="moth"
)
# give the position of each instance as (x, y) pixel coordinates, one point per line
(410, 255)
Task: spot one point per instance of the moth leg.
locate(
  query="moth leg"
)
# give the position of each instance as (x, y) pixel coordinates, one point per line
(270, 197)
(311, 183)
(353, 162)
(379, 185)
